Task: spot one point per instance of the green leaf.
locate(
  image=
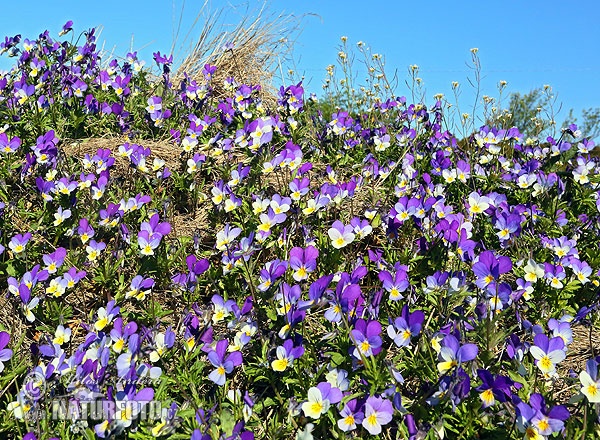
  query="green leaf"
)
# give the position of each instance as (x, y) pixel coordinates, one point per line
(336, 358)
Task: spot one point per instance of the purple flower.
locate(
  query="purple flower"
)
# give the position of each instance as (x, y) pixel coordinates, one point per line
(73, 276)
(154, 104)
(537, 421)
(147, 242)
(286, 354)
(153, 226)
(452, 354)
(547, 352)
(5, 353)
(561, 328)
(488, 269)
(299, 187)
(7, 146)
(352, 415)
(406, 327)
(98, 189)
(129, 403)
(303, 261)
(67, 27)
(366, 338)
(554, 275)
(226, 236)
(85, 230)
(223, 365)
(378, 412)
(347, 297)
(140, 287)
(54, 260)
(120, 333)
(18, 242)
(492, 389)
(508, 225)
(261, 132)
(195, 266)
(394, 285)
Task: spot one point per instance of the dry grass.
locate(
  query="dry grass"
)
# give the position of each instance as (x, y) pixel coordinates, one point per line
(585, 345)
(164, 150)
(260, 43)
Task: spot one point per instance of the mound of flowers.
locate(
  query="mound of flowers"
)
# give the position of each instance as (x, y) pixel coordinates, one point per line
(283, 272)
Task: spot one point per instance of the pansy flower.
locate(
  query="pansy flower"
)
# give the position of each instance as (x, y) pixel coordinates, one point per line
(94, 249)
(478, 203)
(367, 338)
(341, 235)
(18, 243)
(5, 353)
(226, 236)
(223, 364)
(61, 335)
(533, 271)
(406, 327)
(222, 308)
(286, 354)
(54, 260)
(162, 342)
(590, 382)
(320, 398)
(395, 284)
(537, 421)
(106, 315)
(351, 416)
(547, 353)
(488, 269)
(378, 412)
(492, 388)
(139, 288)
(303, 261)
(452, 354)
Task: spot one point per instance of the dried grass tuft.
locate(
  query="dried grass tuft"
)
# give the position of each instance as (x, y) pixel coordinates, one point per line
(261, 43)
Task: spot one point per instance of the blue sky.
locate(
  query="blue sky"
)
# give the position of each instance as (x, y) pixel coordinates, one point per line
(526, 43)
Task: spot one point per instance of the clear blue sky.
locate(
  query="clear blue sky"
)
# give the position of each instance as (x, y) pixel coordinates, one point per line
(527, 43)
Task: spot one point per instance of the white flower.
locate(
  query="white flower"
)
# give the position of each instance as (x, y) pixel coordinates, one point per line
(477, 203)
(315, 406)
(589, 388)
(340, 235)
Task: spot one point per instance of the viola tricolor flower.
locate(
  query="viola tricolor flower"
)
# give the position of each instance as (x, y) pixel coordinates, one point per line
(366, 337)
(18, 242)
(452, 354)
(378, 412)
(320, 398)
(5, 353)
(590, 382)
(286, 354)
(140, 287)
(223, 364)
(488, 269)
(547, 353)
(406, 327)
(493, 389)
(303, 262)
(340, 235)
(536, 421)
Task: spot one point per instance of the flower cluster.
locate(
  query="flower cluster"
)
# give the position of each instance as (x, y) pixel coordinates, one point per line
(283, 270)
